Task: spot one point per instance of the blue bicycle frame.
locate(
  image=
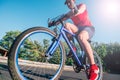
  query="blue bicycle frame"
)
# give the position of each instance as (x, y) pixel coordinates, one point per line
(56, 42)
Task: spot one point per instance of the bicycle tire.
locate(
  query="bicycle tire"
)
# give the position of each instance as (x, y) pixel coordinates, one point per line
(13, 62)
(98, 63)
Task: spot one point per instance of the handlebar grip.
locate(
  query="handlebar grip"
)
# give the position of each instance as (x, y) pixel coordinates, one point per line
(50, 24)
(56, 21)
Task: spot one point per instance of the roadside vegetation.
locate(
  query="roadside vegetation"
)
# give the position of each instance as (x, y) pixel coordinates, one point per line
(109, 53)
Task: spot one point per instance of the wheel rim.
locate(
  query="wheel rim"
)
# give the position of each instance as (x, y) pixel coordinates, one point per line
(32, 72)
(98, 63)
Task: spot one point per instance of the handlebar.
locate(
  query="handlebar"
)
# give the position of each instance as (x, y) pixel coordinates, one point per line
(55, 21)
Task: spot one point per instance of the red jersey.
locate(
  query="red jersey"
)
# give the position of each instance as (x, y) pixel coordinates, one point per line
(81, 19)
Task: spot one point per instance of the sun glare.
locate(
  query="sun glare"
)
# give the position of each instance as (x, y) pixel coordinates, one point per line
(110, 9)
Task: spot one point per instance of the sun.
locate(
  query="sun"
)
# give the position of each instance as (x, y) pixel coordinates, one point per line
(110, 9)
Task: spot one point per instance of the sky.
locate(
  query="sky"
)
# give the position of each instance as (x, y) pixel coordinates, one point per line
(23, 14)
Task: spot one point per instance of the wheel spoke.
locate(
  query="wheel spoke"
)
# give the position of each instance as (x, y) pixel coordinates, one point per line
(30, 61)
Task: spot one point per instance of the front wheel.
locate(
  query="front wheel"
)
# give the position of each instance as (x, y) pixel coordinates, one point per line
(27, 61)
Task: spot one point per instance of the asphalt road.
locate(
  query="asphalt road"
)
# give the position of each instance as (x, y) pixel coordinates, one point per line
(66, 75)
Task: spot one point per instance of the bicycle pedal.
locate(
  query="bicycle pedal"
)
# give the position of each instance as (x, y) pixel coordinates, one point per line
(76, 68)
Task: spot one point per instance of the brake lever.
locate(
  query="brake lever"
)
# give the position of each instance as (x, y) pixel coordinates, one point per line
(50, 22)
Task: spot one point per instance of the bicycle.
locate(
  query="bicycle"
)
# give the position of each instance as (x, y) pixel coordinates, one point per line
(50, 52)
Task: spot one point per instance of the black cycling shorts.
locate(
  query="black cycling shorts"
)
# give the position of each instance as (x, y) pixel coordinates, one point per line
(90, 30)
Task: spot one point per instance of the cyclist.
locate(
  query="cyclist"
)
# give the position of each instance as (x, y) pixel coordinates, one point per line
(83, 27)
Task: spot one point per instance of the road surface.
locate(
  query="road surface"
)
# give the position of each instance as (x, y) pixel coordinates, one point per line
(66, 75)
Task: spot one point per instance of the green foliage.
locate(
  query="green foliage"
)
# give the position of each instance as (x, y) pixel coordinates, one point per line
(56, 57)
(100, 48)
(110, 55)
(69, 61)
(112, 59)
(113, 48)
(8, 39)
(34, 50)
(29, 50)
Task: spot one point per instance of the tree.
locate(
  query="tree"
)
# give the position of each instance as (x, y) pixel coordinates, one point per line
(8, 39)
(112, 59)
(28, 50)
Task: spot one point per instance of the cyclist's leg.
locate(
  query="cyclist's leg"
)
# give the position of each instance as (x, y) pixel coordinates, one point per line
(72, 28)
(84, 34)
(83, 38)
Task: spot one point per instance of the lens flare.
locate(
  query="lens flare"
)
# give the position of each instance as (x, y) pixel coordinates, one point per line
(110, 9)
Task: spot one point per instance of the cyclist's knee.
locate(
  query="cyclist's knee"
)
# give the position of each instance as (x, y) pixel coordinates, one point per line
(67, 25)
(71, 27)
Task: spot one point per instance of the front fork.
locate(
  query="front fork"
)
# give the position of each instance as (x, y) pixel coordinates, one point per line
(52, 47)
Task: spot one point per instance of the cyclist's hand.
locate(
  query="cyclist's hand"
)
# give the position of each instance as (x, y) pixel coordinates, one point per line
(56, 21)
(51, 23)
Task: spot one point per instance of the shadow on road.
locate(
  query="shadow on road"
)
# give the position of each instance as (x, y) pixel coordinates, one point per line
(3, 67)
(66, 75)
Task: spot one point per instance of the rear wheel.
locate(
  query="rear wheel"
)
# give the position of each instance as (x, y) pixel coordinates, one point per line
(98, 63)
(86, 65)
(27, 59)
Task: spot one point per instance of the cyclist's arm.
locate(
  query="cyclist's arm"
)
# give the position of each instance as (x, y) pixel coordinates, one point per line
(68, 15)
(71, 13)
(62, 18)
(81, 9)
